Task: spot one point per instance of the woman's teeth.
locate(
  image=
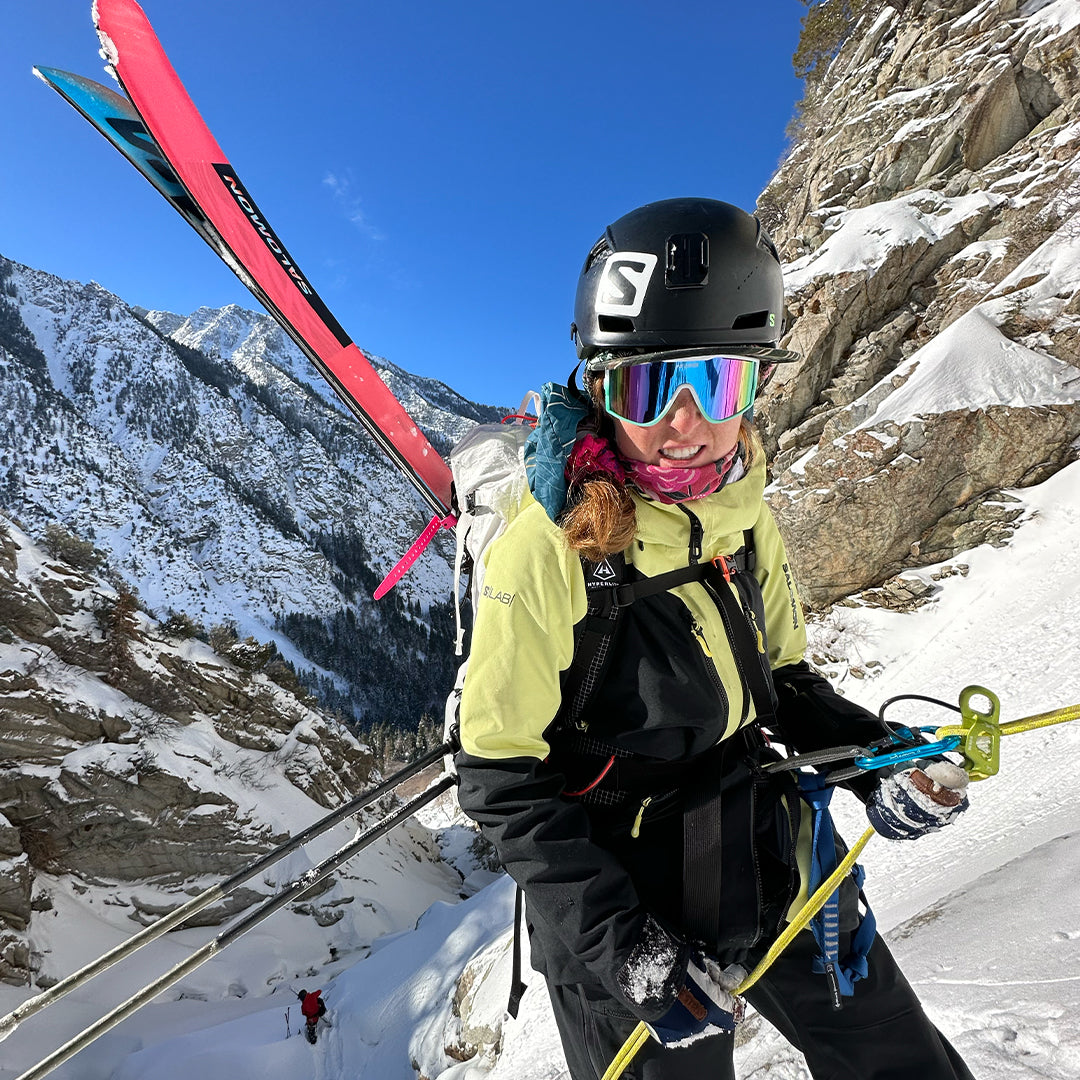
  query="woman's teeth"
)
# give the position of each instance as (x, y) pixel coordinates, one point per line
(681, 453)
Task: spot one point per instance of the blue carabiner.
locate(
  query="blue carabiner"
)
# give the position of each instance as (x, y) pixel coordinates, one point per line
(910, 753)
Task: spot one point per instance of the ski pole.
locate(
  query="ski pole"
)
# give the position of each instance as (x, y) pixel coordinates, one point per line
(216, 892)
(228, 936)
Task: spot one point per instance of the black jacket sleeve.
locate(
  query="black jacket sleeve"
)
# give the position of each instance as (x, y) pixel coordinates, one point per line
(576, 889)
(811, 715)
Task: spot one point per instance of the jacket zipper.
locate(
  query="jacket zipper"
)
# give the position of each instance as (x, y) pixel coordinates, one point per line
(710, 664)
(751, 617)
(697, 535)
(762, 648)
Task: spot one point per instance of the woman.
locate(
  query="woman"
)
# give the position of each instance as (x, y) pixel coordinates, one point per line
(657, 855)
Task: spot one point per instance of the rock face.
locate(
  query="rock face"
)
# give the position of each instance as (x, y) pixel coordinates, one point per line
(132, 759)
(929, 220)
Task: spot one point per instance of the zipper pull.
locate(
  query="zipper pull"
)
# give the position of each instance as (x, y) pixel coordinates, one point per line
(697, 535)
(635, 832)
(700, 635)
(757, 630)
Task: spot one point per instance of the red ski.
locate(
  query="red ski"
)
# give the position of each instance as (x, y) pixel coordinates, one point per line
(252, 249)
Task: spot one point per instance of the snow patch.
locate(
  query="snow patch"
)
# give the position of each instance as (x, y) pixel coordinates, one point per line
(973, 365)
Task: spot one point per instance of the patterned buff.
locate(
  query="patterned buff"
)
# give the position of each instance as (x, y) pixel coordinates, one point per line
(593, 454)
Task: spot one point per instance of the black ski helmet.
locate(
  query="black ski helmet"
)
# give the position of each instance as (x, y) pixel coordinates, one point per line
(679, 274)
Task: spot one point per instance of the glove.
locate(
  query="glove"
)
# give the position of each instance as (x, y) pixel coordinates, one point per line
(912, 803)
(705, 1005)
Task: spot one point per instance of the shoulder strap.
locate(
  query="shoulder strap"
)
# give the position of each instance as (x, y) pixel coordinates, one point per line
(609, 593)
(748, 643)
(602, 581)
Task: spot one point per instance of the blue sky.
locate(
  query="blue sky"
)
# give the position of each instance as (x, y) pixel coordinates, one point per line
(437, 170)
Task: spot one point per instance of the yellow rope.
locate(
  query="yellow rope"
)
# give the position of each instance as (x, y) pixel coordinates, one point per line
(807, 912)
(638, 1038)
(1028, 723)
(640, 1035)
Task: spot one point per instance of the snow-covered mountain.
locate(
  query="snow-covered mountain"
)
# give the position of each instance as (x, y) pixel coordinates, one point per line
(219, 477)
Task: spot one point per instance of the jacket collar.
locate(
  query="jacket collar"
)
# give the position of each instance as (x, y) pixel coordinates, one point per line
(724, 516)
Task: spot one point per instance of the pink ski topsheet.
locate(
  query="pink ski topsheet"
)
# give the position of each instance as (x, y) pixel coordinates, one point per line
(147, 76)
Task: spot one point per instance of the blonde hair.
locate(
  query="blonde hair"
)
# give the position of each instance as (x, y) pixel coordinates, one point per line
(600, 518)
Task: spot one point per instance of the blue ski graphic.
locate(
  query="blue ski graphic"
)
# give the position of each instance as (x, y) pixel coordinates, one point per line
(115, 117)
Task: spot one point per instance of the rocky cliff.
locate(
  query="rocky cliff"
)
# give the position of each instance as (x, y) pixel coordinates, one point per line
(929, 217)
(137, 765)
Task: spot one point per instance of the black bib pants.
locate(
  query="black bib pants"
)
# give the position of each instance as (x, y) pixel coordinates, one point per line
(881, 1033)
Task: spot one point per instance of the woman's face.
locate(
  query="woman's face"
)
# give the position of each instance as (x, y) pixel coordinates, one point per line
(683, 438)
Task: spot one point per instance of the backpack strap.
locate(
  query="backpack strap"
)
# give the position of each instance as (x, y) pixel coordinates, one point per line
(747, 638)
(594, 638)
(517, 987)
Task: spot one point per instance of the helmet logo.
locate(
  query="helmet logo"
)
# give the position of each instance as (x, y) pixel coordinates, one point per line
(624, 282)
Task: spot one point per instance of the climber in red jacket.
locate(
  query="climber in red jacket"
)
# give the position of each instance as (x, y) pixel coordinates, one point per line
(312, 1006)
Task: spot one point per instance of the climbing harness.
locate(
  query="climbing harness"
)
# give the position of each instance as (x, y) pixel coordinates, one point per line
(977, 738)
(640, 1035)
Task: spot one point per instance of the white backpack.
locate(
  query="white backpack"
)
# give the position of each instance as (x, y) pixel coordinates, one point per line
(491, 487)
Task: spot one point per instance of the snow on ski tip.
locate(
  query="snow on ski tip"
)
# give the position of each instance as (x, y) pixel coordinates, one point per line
(244, 239)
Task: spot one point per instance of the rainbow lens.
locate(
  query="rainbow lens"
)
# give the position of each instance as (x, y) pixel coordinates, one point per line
(723, 386)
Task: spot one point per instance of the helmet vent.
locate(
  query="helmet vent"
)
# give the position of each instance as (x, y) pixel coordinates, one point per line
(600, 250)
(751, 321)
(615, 324)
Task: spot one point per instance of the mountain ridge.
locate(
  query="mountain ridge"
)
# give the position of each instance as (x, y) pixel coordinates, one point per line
(220, 479)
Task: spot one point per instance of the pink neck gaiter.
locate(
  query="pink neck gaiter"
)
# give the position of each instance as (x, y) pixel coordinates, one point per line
(664, 483)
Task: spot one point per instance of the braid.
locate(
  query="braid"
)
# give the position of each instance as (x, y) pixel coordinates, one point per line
(600, 517)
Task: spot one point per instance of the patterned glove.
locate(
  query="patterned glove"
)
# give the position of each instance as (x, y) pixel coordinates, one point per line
(705, 1005)
(912, 803)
